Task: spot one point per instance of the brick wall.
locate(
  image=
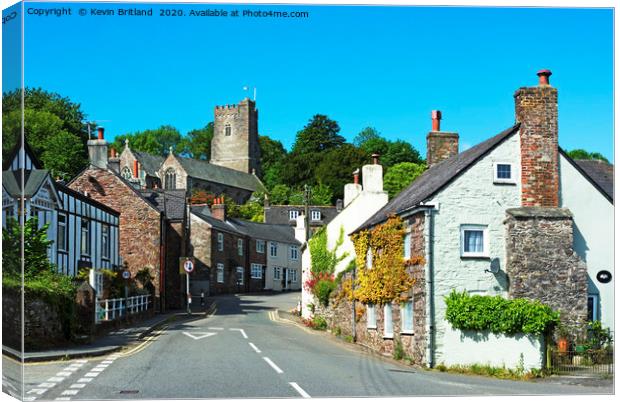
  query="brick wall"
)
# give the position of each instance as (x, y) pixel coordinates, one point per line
(231, 260)
(139, 228)
(537, 111)
(256, 285)
(441, 145)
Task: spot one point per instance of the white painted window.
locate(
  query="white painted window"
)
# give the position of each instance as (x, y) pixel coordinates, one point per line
(407, 246)
(294, 253)
(220, 273)
(293, 214)
(292, 275)
(240, 275)
(62, 232)
(371, 317)
(593, 308)
(315, 215)
(273, 249)
(105, 240)
(256, 271)
(220, 242)
(474, 241)
(240, 246)
(406, 317)
(369, 258)
(504, 172)
(388, 325)
(85, 236)
(260, 246)
(276, 272)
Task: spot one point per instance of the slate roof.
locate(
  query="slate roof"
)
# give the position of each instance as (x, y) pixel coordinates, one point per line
(601, 172)
(170, 202)
(279, 214)
(204, 213)
(220, 174)
(150, 163)
(436, 178)
(33, 180)
(266, 231)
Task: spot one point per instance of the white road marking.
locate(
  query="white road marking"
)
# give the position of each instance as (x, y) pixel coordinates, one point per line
(85, 380)
(91, 374)
(303, 393)
(63, 398)
(82, 385)
(107, 362)
(55, 379)
(64, 373)
(273, 365)
(254, 347)
(70, 392)
(82, 361)
(47, 384)
(216, 328)
(199, 335)
(29, 398)
(95, 369)
(240, 330)
(71, 368)
(38, 391)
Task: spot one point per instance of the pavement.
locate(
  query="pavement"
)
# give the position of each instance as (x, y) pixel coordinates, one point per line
(246, 350)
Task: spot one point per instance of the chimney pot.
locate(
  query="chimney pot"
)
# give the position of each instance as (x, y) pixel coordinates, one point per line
(100, 133)
(112, 152)
(356, 176)
(375, 159)
(543, 77)
(135, 168)
(436, 117)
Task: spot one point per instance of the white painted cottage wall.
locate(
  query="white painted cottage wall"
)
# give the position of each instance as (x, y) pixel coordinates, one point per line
(593, 241)
(472, 198)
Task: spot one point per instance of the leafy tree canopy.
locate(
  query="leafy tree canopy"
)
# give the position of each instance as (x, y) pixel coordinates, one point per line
(197, 143)
(400, 176)
(336, 168)
(583, 154)
(272, 155)
(156, 142)
(320, 134)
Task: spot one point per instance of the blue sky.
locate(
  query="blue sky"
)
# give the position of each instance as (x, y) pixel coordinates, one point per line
(385, 67)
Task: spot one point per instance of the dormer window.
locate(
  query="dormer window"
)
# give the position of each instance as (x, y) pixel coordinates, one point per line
(126, 173)
(315, 215)
(227, 130)
(293, 214)
(504, 172)
(170, 179)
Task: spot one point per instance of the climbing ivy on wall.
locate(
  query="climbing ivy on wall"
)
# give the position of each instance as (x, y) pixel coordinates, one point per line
(499, 315)
(388, 279)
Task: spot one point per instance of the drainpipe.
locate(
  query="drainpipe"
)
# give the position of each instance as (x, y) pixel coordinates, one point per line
(430, 296)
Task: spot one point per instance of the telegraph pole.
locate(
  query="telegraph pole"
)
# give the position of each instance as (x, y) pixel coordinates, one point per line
(307, 192)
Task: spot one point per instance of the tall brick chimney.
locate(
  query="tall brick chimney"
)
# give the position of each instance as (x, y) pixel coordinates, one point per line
(98, 150)
(440, 145)
(536, 109)
(218, 209)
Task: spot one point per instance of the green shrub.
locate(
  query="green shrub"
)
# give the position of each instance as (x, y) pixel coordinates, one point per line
(399, 352)
(499, 315)
(319, 322)
(323, 289)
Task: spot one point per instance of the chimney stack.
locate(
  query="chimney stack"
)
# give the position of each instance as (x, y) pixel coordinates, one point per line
(352, 190)
(440, 145)
(536, 108)
(98, 150)
(218, 209)
(372, 176)
(114, 162)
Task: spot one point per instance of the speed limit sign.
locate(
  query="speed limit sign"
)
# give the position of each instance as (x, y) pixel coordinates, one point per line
(188, 266)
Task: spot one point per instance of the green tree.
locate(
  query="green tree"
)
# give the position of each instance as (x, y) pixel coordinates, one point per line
(370, 141)
(320, 134)
(279, 194)
(367, 134)
(197, 143)
(583, 154)
(400, 176)
(321, 195)
(253, 209)
(156, 142)
(337, 166)
(35, 248)
(272, 155)
(49, 120)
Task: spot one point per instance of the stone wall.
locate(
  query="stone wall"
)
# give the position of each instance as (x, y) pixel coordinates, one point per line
(541, 263)
(140, 223)
(440, 146)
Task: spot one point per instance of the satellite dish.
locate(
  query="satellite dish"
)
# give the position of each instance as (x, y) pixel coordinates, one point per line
(494, 267)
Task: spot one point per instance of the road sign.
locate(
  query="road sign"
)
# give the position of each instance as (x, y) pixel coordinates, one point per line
(188, 266)
(198, 335)
(126, 274)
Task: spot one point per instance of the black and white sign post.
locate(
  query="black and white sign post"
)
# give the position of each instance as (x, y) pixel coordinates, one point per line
(188, 266)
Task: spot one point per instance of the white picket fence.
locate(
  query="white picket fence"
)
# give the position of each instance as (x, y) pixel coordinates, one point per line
(110, 309)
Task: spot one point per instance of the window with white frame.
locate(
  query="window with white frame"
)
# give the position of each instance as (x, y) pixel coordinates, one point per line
(369, 258)
(294, 253)
(273, 249)
(293, 214)
(504, 172)
(260, 246)
(407, 246)
(85, 237)
(474, 241)
(62, 232)
(315, 215)
(388, 325)
(406, 317)
(256, 271)
(220, 273)
(240, 275)
(240, 246)
(220, 242)
(105, 241)
(371, 317)
(292, 273)
(276, 272)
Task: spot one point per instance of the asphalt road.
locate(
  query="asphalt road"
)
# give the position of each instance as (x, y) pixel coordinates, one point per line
(242, 352)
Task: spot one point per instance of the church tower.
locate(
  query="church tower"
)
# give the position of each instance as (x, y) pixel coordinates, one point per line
(235, 137)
